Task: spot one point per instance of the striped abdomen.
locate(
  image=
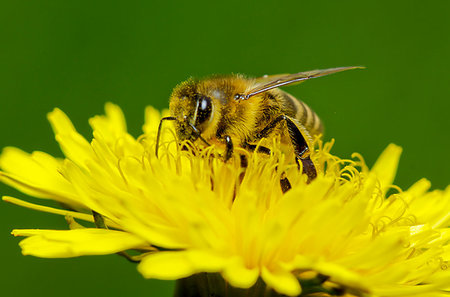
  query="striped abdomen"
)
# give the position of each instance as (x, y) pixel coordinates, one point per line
(302, 113)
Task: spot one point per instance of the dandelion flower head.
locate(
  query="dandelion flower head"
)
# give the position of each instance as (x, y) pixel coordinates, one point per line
(188, 213)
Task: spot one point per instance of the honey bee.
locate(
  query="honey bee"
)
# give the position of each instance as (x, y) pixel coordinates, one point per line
(238, 111)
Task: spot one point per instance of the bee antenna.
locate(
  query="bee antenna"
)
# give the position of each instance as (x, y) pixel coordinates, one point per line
(158, 136)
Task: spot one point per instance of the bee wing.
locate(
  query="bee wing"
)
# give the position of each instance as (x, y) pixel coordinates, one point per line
(266, 83)
(262, 80)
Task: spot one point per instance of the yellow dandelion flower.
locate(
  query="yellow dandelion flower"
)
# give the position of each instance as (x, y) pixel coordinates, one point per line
(221, 231)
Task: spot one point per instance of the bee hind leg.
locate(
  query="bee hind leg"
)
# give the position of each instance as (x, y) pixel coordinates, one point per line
(301, 148)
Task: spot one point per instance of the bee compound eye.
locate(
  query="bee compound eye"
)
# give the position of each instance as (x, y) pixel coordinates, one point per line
(204, 110)
(205, 104)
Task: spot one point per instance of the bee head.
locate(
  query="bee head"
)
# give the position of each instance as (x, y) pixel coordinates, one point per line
(194, 111)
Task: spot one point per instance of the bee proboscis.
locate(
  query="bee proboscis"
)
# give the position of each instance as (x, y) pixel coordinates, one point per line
(238, 111)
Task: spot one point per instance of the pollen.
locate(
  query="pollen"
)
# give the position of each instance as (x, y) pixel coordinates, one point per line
(194, 218)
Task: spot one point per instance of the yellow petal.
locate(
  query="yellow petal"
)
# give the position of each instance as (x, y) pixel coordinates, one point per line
(62, 212)
(175, 265)
(74, 243)
(37, 174)
(74, 146)
(73, 224)
(238, 275)
(166, 266)
(408, 290)
(385, 167)
(116, 117)
(419, 187)
(112, 126)
(340, 274)
(281, 281)
(152, 118)
(300, 263)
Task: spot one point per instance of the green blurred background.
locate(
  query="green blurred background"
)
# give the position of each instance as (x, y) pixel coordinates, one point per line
(79, 54)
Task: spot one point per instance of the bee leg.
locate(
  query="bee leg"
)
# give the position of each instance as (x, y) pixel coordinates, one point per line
(284, 181)
(253, 147)
(299, 143)
(269, 128)
(301, 149)
(243, 164)
(228, 148)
